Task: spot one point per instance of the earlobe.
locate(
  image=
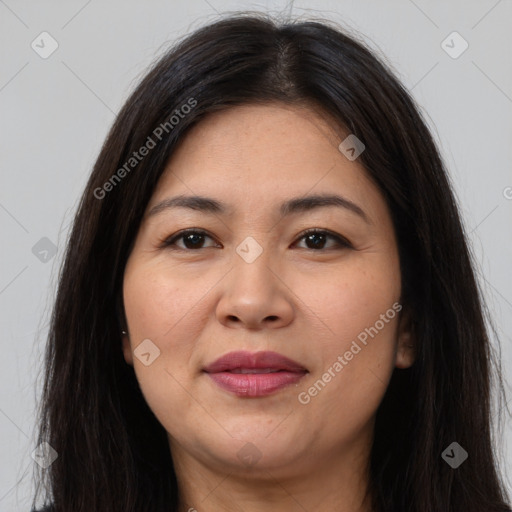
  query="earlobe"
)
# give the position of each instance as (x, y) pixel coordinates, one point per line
(405, 354)
(127, 349)
(406, 349)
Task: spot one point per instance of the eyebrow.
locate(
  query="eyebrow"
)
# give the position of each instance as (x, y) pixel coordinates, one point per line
(289, 207)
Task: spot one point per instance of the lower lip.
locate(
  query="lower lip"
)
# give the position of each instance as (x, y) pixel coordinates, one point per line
(255, 384)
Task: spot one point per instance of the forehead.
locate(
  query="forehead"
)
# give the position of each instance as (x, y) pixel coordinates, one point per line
(276, 134)
(261, 154)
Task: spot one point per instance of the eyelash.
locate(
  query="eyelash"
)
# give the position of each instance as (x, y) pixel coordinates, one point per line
(170, 242)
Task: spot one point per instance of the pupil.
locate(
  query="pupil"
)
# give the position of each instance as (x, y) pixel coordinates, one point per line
(189, 238)
(313, 235)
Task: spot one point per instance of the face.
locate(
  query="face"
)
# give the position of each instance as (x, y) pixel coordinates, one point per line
(251, 277)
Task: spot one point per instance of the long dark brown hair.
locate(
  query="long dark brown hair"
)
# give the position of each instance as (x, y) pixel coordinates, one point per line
(113, 454)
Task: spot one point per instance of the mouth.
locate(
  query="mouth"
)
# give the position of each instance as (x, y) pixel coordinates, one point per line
(254, 374)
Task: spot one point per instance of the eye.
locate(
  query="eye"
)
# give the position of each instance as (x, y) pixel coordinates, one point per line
(317, 238)
(193, 239)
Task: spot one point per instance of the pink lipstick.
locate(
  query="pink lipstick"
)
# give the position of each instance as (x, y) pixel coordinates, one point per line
(254, 374)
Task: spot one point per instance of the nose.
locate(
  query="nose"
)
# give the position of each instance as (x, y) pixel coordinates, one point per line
(255, 296)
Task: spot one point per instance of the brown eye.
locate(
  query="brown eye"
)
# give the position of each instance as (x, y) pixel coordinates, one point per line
(192, 239)
(316, 239)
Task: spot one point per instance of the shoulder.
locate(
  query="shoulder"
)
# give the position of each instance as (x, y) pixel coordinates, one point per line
(49, 508)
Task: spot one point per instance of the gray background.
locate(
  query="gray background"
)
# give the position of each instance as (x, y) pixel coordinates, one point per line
(55, 113)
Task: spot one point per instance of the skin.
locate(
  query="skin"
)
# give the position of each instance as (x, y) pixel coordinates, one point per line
(307, 303)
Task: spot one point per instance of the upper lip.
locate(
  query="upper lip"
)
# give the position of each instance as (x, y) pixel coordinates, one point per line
(254, 360)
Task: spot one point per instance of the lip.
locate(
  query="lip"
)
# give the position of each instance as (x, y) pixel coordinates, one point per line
(268, 372)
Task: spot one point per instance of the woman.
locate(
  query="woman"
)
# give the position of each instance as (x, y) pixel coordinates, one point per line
(267, 301)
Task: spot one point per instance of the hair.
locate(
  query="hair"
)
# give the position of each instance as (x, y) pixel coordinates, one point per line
(113, 454)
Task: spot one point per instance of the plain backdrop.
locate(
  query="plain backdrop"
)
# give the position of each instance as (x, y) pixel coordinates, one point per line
(55, 111)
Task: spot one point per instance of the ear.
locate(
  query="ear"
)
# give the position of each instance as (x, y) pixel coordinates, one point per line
(125, 337)
(406, 345)
(127, 348)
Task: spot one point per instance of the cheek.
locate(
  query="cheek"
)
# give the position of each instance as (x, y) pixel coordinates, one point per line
(359, 312)
(159, 301)
(154, 306)
(353, 297)
(162, 310)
